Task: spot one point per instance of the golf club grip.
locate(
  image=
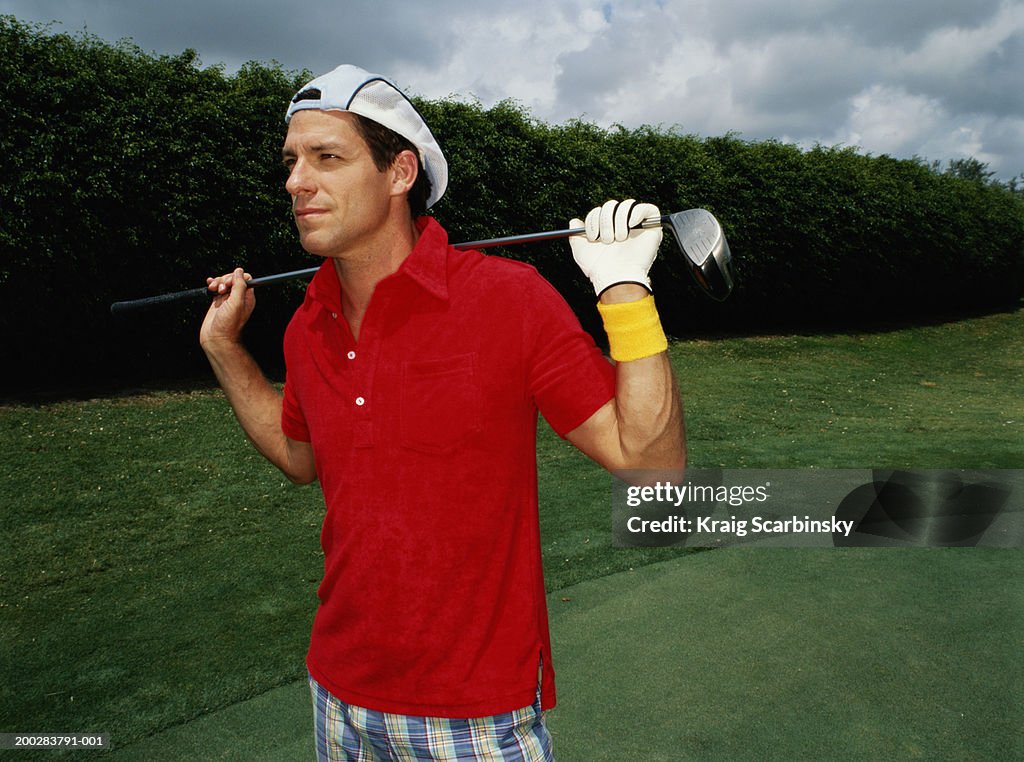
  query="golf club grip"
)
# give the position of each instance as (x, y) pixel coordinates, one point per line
(151, 301)
(118, 308)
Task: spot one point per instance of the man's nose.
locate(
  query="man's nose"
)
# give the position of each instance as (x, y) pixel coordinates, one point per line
(299, 178)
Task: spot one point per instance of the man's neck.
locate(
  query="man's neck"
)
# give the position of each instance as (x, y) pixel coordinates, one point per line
(360, 272)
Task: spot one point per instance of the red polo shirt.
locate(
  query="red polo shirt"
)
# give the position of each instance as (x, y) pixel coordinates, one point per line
(424, 434)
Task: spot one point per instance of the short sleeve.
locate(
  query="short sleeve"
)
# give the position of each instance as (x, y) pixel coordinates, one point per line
(293, 422)
(569, 378)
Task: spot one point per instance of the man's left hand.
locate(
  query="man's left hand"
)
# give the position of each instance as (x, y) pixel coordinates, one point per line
(615, 249)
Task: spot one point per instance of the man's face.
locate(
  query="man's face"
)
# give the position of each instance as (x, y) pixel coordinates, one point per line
(340, 199)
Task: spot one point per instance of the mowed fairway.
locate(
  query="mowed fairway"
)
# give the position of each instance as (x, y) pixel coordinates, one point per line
(156, 570)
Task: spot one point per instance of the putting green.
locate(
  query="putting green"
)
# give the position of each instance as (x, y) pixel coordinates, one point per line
(795, 654)
(747, 654)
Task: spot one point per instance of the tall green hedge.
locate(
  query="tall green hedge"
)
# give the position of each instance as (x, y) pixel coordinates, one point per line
(128, 174)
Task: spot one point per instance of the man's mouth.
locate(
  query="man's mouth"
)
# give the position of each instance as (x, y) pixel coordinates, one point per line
(308, 211)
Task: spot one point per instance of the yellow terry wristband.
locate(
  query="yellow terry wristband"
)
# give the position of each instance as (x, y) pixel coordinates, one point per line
(634, 329)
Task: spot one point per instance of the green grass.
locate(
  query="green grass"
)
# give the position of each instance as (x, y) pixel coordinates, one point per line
(155, 568)
(775, 654)
(158, 568)
(941, 396)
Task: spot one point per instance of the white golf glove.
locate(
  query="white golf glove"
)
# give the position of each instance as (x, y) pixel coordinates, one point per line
(615, 249)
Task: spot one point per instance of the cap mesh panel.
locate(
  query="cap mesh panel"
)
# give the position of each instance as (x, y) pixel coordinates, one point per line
(381, 95)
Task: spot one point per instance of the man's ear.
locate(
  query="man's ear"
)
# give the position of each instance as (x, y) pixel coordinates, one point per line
(404, 169)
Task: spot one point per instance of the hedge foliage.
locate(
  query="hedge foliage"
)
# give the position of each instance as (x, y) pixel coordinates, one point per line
(128, 174)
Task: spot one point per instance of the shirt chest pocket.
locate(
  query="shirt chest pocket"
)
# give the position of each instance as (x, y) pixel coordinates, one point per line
(441, 405)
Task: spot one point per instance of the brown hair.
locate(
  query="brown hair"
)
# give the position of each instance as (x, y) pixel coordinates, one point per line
(385, 145)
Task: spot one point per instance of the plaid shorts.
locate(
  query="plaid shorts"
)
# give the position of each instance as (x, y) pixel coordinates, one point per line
(351, 733)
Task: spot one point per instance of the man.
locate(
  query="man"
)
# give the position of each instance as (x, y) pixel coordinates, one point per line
(414, 377)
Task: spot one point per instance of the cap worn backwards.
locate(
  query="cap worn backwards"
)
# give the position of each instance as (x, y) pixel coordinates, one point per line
(349, 88)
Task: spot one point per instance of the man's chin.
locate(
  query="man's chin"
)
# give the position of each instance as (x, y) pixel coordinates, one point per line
(312, 245)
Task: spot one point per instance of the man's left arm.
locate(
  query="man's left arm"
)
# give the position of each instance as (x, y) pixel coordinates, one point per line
(642, 427)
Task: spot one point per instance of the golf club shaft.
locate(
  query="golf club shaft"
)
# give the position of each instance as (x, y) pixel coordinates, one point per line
(550, 235)
(195, 293)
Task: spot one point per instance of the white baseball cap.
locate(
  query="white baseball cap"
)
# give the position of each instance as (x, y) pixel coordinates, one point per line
(349, 88)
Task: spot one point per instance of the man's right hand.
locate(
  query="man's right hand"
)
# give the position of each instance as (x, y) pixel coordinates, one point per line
(232, 305)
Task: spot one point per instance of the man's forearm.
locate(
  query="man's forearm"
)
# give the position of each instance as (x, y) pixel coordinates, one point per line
(642, 428)
(257, 406)
(649, 412)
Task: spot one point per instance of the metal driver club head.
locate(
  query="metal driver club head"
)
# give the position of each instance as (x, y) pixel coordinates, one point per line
(705, 249)
(696, 231)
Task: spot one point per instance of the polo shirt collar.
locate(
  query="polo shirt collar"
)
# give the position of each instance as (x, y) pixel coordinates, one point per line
(428, 262)
(426, 266)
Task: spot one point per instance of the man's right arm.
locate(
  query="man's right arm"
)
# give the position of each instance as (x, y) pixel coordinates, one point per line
(257, 404)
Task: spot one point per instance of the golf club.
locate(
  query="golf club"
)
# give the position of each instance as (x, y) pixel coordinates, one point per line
(696, 231)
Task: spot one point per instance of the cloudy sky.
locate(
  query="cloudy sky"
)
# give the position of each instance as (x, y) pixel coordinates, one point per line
(939, 79)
